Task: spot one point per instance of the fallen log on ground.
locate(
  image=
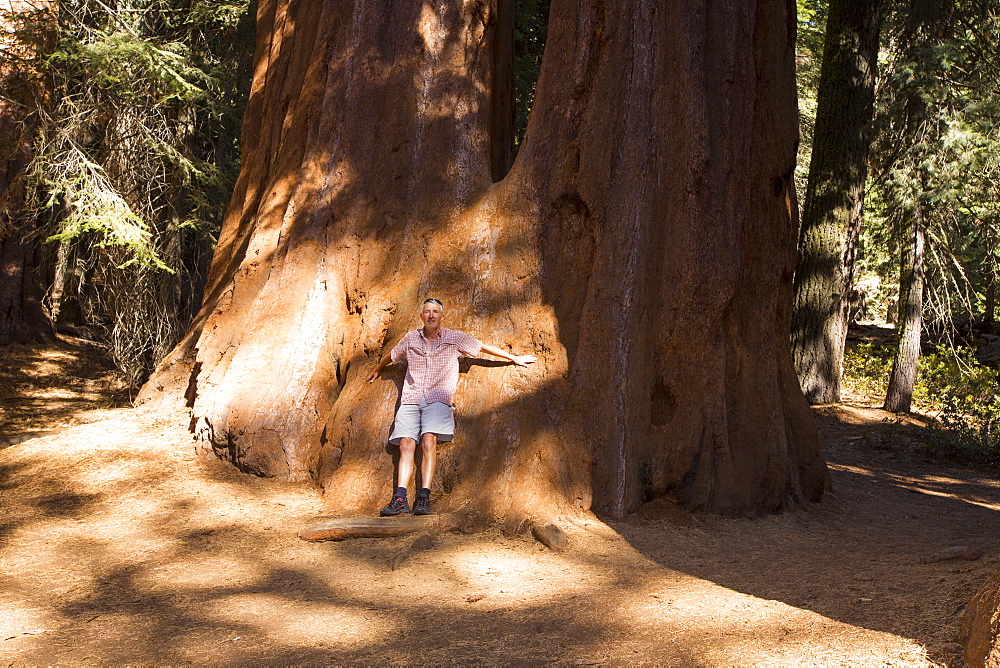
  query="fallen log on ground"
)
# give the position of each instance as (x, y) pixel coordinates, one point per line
(375, 527)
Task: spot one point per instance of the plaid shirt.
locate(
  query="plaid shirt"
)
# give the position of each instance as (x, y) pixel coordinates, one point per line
(432, 364)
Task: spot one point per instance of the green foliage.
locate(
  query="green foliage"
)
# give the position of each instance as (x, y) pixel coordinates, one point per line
(937, 153)
(133, 67)
(866, 369)
(531, 20)
(98, 210)
(959, 392)
(136, 159)
(964, 396)
(221, 15)
(811, 15)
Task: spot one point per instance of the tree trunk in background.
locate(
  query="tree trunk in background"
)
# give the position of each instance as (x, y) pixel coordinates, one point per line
(831, 217)
(642, 245)
(911, 299)
(990, 303)
(21, 315)
(54, 296)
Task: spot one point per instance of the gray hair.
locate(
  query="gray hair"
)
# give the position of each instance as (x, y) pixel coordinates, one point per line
(434, 300)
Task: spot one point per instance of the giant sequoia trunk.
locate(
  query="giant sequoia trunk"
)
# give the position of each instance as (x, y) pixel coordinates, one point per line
(831, 215)
(22, 22)
(642, 245)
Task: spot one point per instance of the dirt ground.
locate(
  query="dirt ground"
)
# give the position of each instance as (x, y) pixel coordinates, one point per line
(118, 546)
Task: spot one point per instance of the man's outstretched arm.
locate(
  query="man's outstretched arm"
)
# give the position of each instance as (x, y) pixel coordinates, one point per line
(382, 363)
(520, 360)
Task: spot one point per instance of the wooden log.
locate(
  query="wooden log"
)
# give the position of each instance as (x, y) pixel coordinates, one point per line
(376, 527)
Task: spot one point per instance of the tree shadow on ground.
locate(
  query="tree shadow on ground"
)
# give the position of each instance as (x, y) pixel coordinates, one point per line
(184, 575)
(857, 556)
(47, 386)
(118, 552)
(119, 545)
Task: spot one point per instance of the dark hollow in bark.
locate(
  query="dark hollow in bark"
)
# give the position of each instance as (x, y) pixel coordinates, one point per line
(831, 216)
(642, 245)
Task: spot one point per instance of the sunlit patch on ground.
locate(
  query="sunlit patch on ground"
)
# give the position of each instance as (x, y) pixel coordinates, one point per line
(310, 624)
(18, 622)
(499, 577)
(193, 572)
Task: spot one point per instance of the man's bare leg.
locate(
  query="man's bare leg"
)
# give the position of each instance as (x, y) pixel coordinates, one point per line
(428, 452)
(407, 449)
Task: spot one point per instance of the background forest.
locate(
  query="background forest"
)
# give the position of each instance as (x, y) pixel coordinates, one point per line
(122, 142)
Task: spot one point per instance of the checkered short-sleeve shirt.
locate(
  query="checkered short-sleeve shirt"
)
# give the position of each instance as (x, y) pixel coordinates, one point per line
(432, 364)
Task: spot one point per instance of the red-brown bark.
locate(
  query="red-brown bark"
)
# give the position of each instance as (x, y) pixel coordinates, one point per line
(642, 246)
(980, 628)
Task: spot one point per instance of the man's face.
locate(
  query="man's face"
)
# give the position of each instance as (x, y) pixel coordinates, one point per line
(431, 315)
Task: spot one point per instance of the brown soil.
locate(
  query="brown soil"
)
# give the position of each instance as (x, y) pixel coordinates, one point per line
(118, 545)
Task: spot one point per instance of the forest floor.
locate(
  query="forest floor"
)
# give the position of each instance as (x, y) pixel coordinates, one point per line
(117, 545)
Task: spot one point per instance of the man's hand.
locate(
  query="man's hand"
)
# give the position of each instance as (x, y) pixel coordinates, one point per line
(524, 360)
(520, 360)
(382, 363)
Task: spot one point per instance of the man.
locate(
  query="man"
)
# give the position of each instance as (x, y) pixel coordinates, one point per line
(426, 408)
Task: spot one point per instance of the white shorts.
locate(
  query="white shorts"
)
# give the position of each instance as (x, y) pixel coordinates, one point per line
(415, 420)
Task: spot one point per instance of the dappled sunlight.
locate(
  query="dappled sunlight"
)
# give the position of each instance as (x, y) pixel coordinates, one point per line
(431, 30)
(302, 622)
(852, 469)
(17, 620)
(714, 624)
(54, 387)
(123, 555)
(184, 560)
(781, 635)
(934, 485)
(509, 577)
(56, 393)
(113, 472)
(195, 572)
(882, 442)
(915, 486)
(989, 506)
(945, 480)
(50, 364)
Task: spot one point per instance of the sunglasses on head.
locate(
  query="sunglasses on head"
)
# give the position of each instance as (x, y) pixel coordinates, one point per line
(435, 300)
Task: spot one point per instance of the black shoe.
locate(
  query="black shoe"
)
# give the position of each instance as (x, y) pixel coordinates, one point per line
(397, 506)
(422, 506)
